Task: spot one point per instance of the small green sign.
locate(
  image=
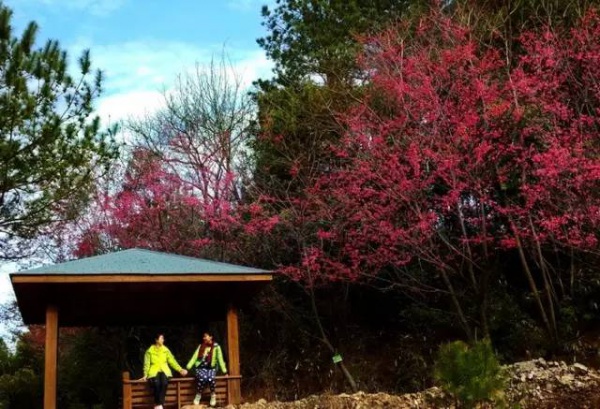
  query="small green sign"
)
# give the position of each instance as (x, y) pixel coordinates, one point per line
(337, 358)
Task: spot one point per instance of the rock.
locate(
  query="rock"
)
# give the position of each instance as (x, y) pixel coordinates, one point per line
(580, 367)
(532, 384)
(565, 379)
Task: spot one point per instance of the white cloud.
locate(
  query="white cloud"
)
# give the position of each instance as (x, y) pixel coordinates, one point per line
(138, 72)
(254, 66)
(136, 103)
(95, 7)
(143, 64)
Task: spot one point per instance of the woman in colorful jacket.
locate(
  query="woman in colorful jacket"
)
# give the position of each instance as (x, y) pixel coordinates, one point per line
(157, 360)
(205, 360)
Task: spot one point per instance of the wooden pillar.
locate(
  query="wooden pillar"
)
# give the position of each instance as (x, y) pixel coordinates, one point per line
(51, 357)
(234, 393)
(126, 390)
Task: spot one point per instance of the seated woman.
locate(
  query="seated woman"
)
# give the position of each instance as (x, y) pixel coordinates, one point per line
(205, 360)
(156, 369)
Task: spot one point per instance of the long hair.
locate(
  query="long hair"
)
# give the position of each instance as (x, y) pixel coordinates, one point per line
(203, 348)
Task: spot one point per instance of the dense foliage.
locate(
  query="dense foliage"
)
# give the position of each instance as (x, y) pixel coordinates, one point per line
(417, 174)
(51, 145)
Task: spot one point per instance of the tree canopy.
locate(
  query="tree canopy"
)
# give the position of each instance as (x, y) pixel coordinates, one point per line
(51, 144)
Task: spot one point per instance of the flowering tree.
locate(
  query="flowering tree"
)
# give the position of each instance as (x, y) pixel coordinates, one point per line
(182, 189)
(455, 159)
(155, 208)
(202, 132)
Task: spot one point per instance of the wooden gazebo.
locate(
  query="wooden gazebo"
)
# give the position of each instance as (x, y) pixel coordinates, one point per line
(119, 289)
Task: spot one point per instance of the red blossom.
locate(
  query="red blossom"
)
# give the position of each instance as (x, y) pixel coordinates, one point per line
(468, 158)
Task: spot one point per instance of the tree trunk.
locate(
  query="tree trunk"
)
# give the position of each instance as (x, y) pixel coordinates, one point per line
(533, 285)
(548, 288)
(461, 315)
(326, 341)
(483, 303)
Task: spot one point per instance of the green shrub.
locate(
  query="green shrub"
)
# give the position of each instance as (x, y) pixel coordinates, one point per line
(472, 375)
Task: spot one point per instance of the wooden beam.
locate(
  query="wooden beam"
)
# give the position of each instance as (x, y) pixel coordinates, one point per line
(174, 380)
(127, 396)
(51, 357)
(234, 393)
(139, 278)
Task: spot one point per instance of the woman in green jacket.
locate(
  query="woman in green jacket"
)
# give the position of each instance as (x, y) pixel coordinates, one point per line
(157, 360)
(205, 360)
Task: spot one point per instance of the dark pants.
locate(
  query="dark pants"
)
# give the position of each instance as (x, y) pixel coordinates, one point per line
(205, 377)
(159, 385)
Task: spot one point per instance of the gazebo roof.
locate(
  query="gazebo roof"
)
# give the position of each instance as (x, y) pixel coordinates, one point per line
(135, 287)
(140, 261)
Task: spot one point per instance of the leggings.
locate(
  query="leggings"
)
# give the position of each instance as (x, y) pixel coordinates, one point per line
(159, 385)
(205, 377)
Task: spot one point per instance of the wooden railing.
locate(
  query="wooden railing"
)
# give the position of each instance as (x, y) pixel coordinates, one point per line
(181, 392)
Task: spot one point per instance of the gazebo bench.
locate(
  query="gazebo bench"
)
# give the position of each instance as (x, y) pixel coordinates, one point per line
(137, 394)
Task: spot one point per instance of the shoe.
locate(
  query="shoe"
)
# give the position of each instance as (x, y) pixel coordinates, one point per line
(213, 399)
(197, 399)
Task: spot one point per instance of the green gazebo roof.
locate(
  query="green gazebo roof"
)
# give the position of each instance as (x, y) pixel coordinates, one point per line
(140, 261)
(135, 287)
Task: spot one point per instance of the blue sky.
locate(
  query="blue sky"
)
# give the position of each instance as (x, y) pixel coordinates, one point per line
(141, 45)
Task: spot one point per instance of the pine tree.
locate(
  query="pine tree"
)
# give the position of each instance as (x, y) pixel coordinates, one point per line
(51, 145)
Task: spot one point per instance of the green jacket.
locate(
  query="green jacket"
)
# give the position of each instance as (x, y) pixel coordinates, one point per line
(158, 359)
(217, 358)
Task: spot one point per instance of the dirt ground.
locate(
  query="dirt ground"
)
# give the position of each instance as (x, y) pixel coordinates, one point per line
(587, 399)
(536, 384)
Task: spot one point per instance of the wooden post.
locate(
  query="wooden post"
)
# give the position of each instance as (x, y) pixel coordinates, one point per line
(126, 390)
(51, 357)
(179, 403)
(234, 393)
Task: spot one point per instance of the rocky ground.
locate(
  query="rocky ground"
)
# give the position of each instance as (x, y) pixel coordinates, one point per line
(545, 385)
(536, 384)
